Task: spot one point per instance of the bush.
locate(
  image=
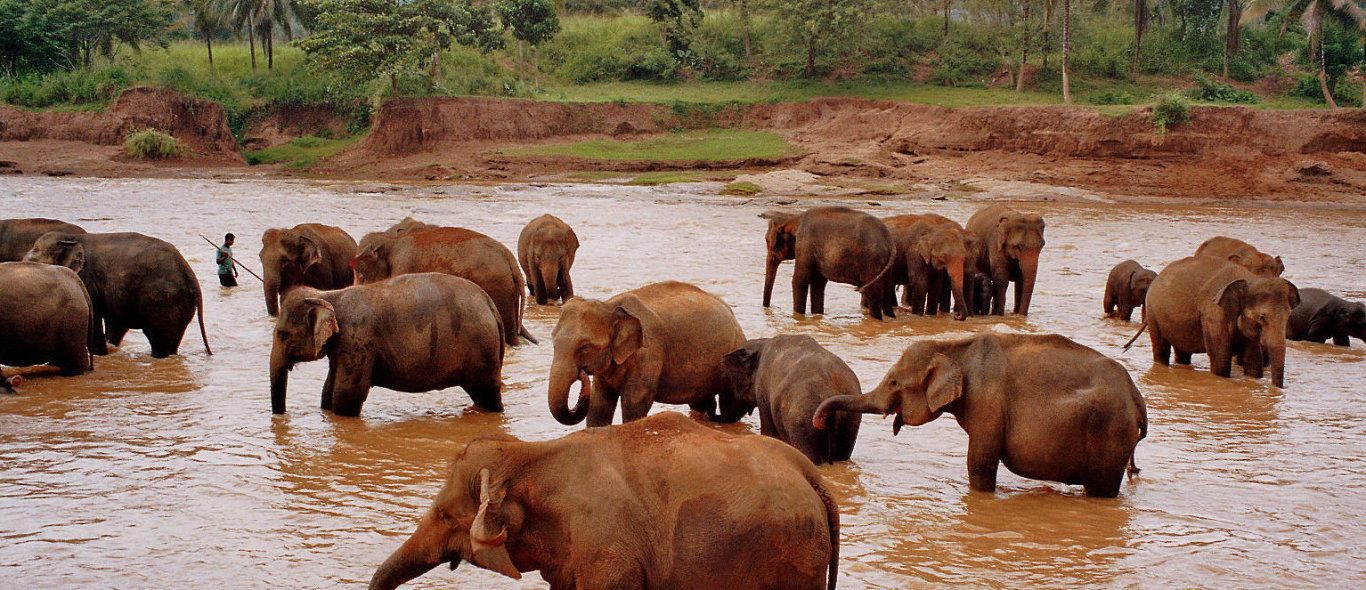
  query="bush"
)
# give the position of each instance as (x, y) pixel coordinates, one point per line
(960, 65)
(1170, 111)
(1111, 97)
(1213, 91)
(150, 144)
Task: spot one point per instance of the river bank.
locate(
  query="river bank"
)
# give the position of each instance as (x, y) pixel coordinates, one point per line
(842, 147)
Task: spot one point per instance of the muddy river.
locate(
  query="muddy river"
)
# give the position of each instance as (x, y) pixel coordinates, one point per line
(173, 473)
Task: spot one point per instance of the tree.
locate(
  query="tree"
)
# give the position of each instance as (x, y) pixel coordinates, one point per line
(1024, 47)
(84, 29)
(358, 41)
(1140, 27)
(25, 49)
(204, 17)
(815, 23)
(679, 18)
(1066, 49)
(533, 22)
(1312, 13)
(276, 18)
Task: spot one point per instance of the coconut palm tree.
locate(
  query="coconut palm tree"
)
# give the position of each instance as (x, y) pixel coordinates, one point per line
(276, 18)
(1312, 13)
(1066, 49)
(205, 17)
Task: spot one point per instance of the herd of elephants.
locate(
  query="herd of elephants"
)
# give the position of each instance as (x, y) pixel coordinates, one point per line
(419, 307)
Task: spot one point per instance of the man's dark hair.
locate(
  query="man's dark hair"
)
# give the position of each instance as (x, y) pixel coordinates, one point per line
(229, 237)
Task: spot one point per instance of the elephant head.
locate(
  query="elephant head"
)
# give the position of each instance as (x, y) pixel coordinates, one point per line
(1139, 282)
(472, 519)
(408, 226)
(302, 332)
(1258, 308)
(286, 257)
(371, 263)
(59, 249)
(1351, 319)
(945, 248)
(1020, 238)
(1262, 265)
(592, 338)
(740, 365)
(782, 245)
(7, 384)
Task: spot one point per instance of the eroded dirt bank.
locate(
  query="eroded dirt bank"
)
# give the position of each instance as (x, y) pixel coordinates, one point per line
(1028, 152)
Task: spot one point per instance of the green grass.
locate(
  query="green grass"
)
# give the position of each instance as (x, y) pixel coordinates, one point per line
(705, 145)
(741, 188)
(654, 178)
(597, 175)
(152, 144)
(301, 153)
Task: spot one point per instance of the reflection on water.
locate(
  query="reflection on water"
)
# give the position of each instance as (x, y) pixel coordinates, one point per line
(173, 472)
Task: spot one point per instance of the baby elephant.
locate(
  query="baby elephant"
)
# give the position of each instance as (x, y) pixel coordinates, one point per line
(1321, 316)
(1126, 289)
(1045, 406)
(415, 332)
(786, 377)
(546, 251)
(982, 288)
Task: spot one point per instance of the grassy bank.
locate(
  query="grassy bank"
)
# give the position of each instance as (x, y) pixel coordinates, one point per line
(707, 145)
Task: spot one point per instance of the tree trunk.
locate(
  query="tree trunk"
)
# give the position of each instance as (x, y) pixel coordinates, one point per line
(521, 64)
(1323, 75)
(1140, 25)
(946, 18)
(269, 41)
(208, 40)
(1047, 24)
(393, 84)
(536, 64)
(1066, 48)
(744, 22)
(1232, 33)
(1024, 49)
(810, 56)
(251, 39)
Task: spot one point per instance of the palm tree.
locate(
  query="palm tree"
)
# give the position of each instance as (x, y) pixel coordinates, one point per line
(276, 18)
(205, 17)
(1140, 27)
(1066, 48)
(1312, 13)
(242, 15)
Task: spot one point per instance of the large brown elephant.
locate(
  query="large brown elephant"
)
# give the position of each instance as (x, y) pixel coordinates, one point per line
(659, 343)
(45, 317)
(546, 249)
(455, 251)
(831, 244)
(18, 235)
(659, 504)
(134, 281)
(306, 255)
(1242, 254)
(416, 332)
(1010, 243)
(934, 253)
(1204, 304)
(786, 377)
(1043, 405)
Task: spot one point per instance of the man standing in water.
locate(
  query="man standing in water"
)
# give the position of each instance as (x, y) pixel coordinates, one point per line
(227, 273)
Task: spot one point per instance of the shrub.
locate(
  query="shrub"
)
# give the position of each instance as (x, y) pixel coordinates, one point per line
(962, 66)
(1214, 91)
(1170, 111)
(1111, 97)
(150, 144)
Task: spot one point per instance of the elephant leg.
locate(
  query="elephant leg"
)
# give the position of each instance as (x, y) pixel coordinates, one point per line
(602, 404)
(165, 340)
(115, 332)
(998, 293)
(329, 385)
(538, 286)
(1252, 360)
(351, 385)
(818, 283)
(842, 445)
(1183, 358)
(566, 285)
(1125, 313)
(635, 407)
(1108, 303)
(919, 288)
(801, 282)
(1341, 340)
(983, 459)
(1162, 350)
(1220, 357)
(486, 396)
(1019, 295)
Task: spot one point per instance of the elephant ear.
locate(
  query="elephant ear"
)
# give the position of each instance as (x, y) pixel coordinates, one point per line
(943, 382)
(1230, 297)
(488, 548)
(1293, 293)
(323, 319)
(740, 365)
(72, 256)
(309, 254)
(628, 336)
(1277, 267)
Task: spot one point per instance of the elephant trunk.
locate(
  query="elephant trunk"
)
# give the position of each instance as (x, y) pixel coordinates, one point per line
(279, 378)
(563, 374)
(1029, 269)
(418, 555)
(877, 401)
(770, 272)
(962, 307)
(550, 280)
(272, 289)
(1273, 341)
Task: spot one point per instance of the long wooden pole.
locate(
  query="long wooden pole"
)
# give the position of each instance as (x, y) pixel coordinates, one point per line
(234, 260)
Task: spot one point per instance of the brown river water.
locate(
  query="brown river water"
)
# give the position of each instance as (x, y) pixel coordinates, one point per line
(173, 473)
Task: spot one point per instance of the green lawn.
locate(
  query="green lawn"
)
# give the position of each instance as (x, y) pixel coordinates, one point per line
(301, 153)
(705, 145)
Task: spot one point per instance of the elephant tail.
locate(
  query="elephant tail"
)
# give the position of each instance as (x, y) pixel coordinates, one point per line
(527, 334)
(521, 308)
(1142, 434)
(203, 334)
(891, 261)
(832, 518)
(1139, 333)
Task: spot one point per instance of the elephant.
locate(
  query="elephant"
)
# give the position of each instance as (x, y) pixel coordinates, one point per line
(309, 255)
(412, 333)
(1321, 316)
(1203, 304)
(657, 504)
(1045, 406)
(546, 249)
(935, 251)
(134, 282)
(405, 227)
(454, 251)
(1242, 254)
(1010, 243)
(7, 384)
(982, 289)
(45, 316)
(831, 244)
(660, 343)
(1126, 288)
(786, 377)
(18, 235)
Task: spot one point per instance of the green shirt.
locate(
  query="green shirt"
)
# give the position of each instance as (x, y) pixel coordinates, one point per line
(225, 266)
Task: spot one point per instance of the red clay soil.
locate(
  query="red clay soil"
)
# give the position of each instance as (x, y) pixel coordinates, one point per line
(87, 141)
